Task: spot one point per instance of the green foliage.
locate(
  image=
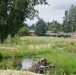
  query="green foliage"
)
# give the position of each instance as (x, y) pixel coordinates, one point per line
(40, 28)
(13, 13)
(9, 39)
(54, 27)
(15, 40)
(66, 25)
(23, 31)
(72, 18)
(59, 51)
(1, 57)
(69, 22)
(32, 27)
(47, 73)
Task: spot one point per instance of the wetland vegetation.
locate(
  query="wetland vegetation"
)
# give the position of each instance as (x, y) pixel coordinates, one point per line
(61, 51)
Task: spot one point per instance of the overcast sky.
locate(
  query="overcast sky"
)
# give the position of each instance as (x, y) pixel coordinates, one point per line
(55, 11)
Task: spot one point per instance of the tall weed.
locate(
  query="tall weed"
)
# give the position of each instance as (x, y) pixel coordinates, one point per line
(12, 40)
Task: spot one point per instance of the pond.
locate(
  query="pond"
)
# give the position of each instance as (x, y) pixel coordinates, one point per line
(17, 63)
(27, 63)
(37, 65)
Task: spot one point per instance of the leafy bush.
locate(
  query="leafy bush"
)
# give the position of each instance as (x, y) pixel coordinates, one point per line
(23, 31)
(14, 40)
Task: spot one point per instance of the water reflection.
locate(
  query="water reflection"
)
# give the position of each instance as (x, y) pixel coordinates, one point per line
(27, 63)
(17, 63)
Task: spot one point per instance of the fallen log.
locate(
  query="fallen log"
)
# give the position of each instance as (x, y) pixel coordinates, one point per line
(41, 66)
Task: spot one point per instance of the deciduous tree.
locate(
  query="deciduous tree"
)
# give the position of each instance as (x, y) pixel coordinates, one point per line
(66, 25)
(13, 13)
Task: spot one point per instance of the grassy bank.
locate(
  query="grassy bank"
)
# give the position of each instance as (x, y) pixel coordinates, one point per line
(61, 51)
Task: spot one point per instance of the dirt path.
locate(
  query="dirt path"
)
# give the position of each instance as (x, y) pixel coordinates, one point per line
(8, 48)
(14, 72)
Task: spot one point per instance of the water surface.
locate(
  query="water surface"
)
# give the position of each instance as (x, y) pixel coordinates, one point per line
(17, 63)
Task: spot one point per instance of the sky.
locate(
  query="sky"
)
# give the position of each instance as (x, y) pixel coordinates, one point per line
(54, 11)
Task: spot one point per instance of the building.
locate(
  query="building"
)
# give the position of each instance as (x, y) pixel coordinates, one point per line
(50, 33)
(73, 36)
(31, 32)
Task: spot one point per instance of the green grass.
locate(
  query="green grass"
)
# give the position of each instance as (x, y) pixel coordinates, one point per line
(61, 51)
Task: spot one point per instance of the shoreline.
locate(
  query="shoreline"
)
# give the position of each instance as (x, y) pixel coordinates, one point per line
(17, 72)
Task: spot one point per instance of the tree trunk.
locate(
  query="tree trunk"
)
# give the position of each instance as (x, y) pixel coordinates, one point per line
(1, 39)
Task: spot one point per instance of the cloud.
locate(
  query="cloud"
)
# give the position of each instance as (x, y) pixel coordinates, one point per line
(64, 4)
(55, 11)
(30, 22)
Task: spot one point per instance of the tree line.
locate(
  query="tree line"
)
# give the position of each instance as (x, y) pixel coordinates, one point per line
(68, 25)
(41, 27)
(13, 13)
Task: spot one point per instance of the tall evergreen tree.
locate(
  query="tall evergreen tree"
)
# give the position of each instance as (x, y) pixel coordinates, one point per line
(72, 18)
(40, 28)
(66, 25)
(69, 22)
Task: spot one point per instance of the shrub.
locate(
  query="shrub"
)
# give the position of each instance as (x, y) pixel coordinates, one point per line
(23, 31)
(14, 40)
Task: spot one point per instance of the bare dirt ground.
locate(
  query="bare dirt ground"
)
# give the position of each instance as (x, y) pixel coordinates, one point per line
(15, 72)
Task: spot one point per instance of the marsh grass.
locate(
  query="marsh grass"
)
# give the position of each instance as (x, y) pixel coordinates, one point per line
(59, 51)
